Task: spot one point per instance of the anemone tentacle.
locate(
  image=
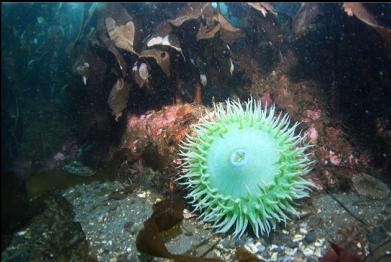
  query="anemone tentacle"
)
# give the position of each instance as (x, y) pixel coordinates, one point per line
(244, 167)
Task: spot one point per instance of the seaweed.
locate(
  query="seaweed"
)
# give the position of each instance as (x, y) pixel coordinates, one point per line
(166, 214)
(339, 254)
(245, 256)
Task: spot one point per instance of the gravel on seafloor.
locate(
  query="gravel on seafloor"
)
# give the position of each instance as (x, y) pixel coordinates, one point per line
(111, 216)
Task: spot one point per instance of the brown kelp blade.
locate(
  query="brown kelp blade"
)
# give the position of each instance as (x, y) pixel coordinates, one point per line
(166, 214)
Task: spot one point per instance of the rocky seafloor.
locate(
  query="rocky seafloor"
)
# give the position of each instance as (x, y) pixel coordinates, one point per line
(100, 221)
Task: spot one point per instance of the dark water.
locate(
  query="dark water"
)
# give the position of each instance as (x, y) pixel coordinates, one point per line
(74, 74)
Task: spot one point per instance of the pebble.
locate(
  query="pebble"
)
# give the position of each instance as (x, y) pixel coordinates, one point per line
(308, 252)
(303, 231)
(261, 248)
(310, 237)
(188, 214)
(251, 247)
(319, 242)
(274, 247)
(303, 226)
(227, 244)
(142, 195)
(291, 251)
(285, 259)
(239, 242)
(292, 244)
(297, 237)
(273, 256)
(311, 259)
(318, 252)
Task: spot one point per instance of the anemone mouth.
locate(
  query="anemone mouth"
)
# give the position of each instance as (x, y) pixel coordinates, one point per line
(240, 160)
(245, 166)
(239, 157)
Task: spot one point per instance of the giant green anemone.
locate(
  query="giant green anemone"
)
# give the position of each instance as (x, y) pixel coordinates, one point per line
(245, 165)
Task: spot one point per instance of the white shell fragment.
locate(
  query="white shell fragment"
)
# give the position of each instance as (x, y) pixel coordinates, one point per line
(203, 79)
(84, 80)
(231, 68)
(143, 71)
(158, 40)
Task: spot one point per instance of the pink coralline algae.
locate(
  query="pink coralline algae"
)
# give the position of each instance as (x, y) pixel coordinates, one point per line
(69, 151)
(59, 157)
(365, 160)
(266, 98)
(312, 135)
(154, 123)
(352, 160)
(330, 179)
(334, 158)
(312, 115)
(140, 122)
(161, 128)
